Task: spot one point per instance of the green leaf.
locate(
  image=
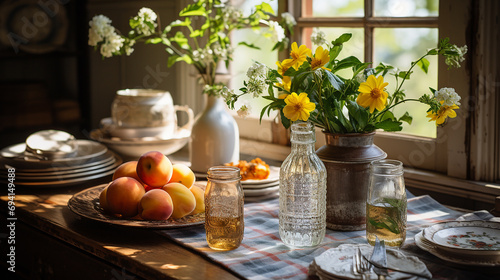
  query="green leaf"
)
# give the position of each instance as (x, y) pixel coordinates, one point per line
(334, 52)
(196, 33)
(252, 46)
(195, 9)
(389, 125)
(424, 64)
(388, 115)
(357, 113)
(406, 118)
(284, 120)
(404, 74)
(433, 52)
(175, 58)
(181, 40)
(154, 40)
(376, 224)
(342, 39)
(266, 8)
(133, 23)
(335, 81)
(346, 63)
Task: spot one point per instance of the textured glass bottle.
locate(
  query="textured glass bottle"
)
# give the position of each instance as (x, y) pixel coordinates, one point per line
(224, 224)
(386, 203)
(302, 211)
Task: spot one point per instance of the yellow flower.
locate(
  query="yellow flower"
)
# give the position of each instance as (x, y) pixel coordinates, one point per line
(299, 54)
(286, 83)
(298, 106)
(321, 57)
(372, 94)
(442, 114)
(284, 65)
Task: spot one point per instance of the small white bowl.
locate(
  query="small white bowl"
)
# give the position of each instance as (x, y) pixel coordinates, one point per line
(134, 148)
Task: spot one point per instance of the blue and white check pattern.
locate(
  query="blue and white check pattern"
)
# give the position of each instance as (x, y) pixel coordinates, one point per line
(263, 256)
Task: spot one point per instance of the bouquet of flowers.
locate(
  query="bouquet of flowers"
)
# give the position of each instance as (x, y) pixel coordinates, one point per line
(202, 47)
(307, 87)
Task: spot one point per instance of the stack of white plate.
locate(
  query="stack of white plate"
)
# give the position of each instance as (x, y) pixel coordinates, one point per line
(91, 161)
(463, 242)
(256, 190)
(131, 143)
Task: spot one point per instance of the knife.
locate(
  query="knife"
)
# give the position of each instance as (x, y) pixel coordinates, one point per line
(379, 259)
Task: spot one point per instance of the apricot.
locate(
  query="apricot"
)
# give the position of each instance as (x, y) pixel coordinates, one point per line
(127, 169)
(102, 199)
(183, 199)
(154, 169)
(182, 174)
(123, 196)
(156, 205)
(199, 196)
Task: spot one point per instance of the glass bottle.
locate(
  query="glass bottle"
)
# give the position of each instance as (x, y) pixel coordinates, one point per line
(302, 193)
(224, 224)
(386, 203)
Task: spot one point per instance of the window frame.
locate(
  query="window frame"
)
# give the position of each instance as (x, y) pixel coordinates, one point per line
(452, 159)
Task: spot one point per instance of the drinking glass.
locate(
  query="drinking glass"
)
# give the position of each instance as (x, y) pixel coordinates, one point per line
(386, 203)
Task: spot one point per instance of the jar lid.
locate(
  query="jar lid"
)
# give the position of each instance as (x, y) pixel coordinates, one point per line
(224, 173)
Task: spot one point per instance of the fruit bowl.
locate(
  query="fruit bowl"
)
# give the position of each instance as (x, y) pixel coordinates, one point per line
(86, 204)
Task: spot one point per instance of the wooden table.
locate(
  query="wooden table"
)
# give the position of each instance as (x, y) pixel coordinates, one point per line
(51, 242)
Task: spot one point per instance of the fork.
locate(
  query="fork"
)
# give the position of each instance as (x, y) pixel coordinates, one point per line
(360, 266)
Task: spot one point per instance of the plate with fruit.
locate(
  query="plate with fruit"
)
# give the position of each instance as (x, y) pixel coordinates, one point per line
(150, 193)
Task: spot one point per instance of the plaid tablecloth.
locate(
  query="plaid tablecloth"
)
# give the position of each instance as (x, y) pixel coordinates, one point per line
(262, 255)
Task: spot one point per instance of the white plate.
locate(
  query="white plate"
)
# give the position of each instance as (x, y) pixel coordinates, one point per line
(135, 148)
(337, 262)
(274, 175)
(86, 150)
(64, 182)
(466, 236)
(260, 186)
(432, 248)
(259, 192)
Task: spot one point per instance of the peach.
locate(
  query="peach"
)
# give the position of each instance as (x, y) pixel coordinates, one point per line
(102, 199)
(156, 205)
(182, 174)
(127, 169)
(123, 196)
(154, 169)
(183, 199)
(199, 196)
(148, 188)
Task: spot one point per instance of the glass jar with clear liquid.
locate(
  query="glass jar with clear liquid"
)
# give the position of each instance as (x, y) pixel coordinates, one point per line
(386, 203)
(302, 193)
(224, 222)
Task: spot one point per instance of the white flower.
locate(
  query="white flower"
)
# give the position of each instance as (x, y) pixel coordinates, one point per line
(203, 55)
(448, 96)
(456, 58)
(128, 47)
(288, 19)
(112, 44)
(145, 16)
(244, 111)
(222, 53)
(257, 71)
(227, 94)
(277, 32)
(100, 27)
(256, 87)
(318, 37)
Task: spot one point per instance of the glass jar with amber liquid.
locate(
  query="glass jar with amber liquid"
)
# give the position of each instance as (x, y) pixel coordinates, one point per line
(224, 223)
(386, 203)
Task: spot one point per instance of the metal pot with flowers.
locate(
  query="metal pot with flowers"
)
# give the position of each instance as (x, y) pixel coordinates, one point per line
(307, 87)
(199, 38)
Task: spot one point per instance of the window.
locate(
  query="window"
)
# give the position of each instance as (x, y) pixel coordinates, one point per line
(459, 149)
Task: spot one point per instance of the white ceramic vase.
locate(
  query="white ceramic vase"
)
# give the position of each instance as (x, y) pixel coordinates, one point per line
(215, 138)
